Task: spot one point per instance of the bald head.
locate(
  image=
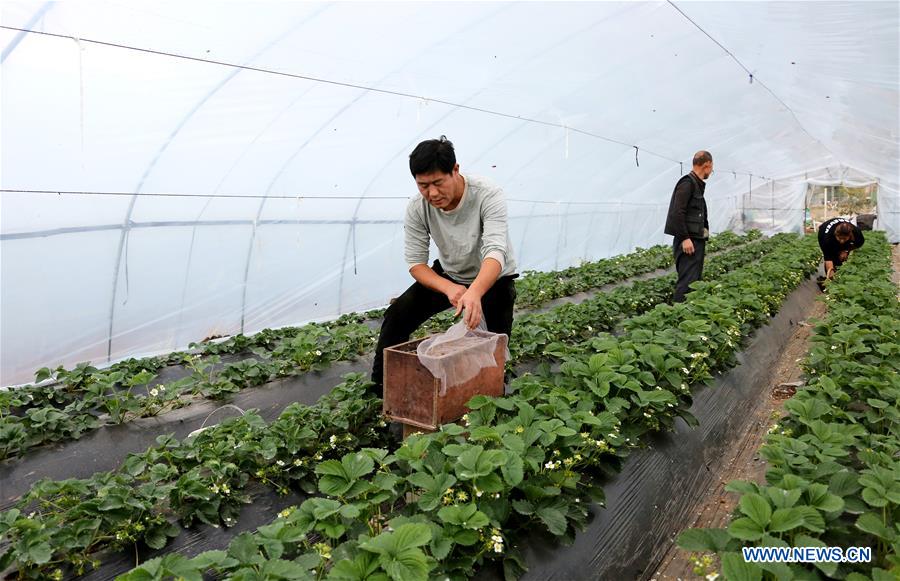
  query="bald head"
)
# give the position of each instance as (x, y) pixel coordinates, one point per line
(702, 157)
(703, 164)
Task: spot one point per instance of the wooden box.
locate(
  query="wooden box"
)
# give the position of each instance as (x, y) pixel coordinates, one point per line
(412, 394)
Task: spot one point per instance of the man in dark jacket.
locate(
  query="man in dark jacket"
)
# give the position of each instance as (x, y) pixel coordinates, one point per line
(688, 222)
(837, 237)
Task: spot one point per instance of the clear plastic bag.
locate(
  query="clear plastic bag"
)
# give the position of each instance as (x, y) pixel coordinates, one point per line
(459, 354)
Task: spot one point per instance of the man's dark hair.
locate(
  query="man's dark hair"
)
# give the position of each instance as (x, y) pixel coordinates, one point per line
(844, 229)
(702, 157)
(432, 155)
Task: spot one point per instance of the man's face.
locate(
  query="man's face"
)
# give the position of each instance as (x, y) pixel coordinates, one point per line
(438, 188)
(705, 170)
(842, 238)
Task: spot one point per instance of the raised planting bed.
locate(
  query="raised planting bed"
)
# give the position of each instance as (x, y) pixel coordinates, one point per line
(536, 337)
(834, 460)
(84, 398)
(649, 501)
(518, 464)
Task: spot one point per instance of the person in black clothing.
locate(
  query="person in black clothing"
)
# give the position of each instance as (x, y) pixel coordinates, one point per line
(688, 222)
(837, 237)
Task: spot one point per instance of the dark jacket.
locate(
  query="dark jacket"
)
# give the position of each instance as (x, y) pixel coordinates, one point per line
(687, 210)
(831, 248)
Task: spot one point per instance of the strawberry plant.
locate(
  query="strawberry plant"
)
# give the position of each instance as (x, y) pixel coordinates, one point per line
(202, 478)
(83, 393)
(518, 462)
(834, 476)
(522, 461)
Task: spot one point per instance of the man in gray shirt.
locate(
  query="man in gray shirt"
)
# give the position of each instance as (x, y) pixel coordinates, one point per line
(466, 218)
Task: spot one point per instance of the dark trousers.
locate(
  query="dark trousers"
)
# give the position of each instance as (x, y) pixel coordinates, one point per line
(688, 266)
(419, 303)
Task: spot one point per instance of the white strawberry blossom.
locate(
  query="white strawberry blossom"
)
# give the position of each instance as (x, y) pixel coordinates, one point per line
(497, 540)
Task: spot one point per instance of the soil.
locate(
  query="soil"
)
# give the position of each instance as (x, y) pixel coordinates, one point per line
(744, 461)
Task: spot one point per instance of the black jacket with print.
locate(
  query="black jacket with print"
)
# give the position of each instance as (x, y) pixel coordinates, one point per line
(831, 248)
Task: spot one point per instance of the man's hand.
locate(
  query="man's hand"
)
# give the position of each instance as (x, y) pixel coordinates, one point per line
(687, 245)
(844, 255)
(470, 301)
(455, 292)
(829, 269)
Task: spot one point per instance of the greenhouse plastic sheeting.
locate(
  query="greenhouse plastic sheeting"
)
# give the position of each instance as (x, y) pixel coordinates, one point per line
(781, 205)
(175, 171)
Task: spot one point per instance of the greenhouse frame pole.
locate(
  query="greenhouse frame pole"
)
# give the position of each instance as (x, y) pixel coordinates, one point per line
(773, 205)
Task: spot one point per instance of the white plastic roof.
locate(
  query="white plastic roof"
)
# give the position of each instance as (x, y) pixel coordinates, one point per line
(244, 165)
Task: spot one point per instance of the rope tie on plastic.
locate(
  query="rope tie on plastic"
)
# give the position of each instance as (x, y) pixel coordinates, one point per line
(637, 163)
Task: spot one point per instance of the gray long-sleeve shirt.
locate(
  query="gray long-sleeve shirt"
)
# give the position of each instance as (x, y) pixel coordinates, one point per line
(476, 229)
